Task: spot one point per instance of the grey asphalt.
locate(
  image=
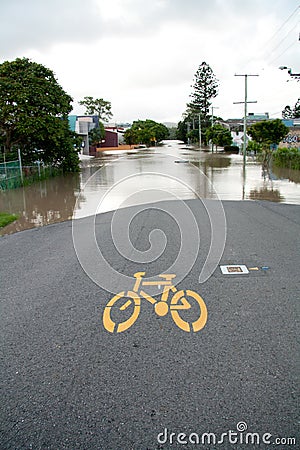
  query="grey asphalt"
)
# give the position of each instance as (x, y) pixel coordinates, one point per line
(67, 383)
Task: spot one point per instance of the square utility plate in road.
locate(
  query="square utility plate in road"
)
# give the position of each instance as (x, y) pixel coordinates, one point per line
(234, 269)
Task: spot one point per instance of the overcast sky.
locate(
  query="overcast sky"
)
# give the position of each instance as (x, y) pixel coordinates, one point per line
(142, 54)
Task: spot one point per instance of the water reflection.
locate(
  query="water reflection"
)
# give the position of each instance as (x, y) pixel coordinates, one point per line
(53, 200)
(288, 174)
(43, 203)
(273, 195)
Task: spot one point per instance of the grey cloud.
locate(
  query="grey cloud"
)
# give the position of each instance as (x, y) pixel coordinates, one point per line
(38, 24)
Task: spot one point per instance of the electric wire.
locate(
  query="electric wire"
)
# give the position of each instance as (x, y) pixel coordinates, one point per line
(284, 51)
(298, 7)
(283, 39)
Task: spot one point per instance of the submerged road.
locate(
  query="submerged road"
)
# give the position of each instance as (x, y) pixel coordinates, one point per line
(69, 383)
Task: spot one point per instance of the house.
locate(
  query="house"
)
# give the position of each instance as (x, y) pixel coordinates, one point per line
(237, 124)
(82, 125)
(293, 137)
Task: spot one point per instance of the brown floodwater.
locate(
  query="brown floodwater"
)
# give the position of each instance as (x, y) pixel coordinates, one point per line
(119, 179)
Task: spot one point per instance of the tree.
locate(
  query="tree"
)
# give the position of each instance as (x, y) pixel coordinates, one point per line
(219, 135)
(34, 114)
(146, 132)
(268, 133)
(205, 89)
(297, 109)
(97, 134)
(292, 113)
(97, 106)
(287, 113)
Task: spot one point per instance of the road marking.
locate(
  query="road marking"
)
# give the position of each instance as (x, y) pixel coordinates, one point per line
(179, 302)
(234, 269)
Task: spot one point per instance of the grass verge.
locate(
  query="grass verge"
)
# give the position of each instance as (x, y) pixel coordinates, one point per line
(6, 218)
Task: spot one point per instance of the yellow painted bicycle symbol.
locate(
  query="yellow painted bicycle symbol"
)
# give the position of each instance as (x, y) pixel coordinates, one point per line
(122, 301)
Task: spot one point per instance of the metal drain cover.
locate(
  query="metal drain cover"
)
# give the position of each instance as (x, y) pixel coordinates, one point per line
(234, 269)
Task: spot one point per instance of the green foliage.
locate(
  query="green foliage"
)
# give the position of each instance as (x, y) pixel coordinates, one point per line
(287, 157)
(268, 132)
(292, 113)
(181, 132)
(219, 135)
(97, 106)
(6, 218)
(34, 115)
(146, 132)
(172, 133)
(205, 89)
(254, 147)
(287, 113)
(297, 109)
(97, 134)
(193, 134)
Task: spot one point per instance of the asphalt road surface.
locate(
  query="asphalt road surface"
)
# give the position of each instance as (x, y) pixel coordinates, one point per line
(69, 383)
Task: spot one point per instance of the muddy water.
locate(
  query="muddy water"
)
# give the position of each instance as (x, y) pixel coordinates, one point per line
(119, 179)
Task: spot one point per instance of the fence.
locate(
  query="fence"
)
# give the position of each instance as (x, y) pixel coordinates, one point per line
(13, 174)
(10, 175)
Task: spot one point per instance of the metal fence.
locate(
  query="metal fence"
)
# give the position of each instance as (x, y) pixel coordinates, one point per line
(13, 174)
(10, 175)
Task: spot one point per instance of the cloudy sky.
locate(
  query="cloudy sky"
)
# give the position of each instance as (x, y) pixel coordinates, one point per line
(142, 54)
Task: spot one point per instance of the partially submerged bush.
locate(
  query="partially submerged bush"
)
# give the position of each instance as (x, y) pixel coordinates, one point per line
(287, 157)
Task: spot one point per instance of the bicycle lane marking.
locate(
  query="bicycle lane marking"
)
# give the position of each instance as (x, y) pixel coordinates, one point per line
(161, 308)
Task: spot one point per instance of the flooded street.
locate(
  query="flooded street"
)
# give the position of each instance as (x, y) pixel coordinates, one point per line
(172, 171)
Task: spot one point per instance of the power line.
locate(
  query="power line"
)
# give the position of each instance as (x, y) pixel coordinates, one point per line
(283, 39)
(284, 51)
(265, 52)
(298, 7)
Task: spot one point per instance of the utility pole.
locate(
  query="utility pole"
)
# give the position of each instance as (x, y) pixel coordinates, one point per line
(245, 112)
(212, 124)
(200, 137)
(188, 131)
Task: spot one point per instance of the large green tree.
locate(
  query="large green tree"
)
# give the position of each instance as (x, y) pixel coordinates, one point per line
(219, 135)
(97, 106)
(146, 132)
(292, 113)
(268, 133)
(34, 112)
(205, 88)
(100, 108)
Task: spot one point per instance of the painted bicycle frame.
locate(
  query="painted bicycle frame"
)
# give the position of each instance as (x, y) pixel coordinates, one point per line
(161, 307)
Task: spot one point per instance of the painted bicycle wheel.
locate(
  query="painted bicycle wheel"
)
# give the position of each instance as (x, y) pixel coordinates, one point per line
(120, 303)
(180, 303)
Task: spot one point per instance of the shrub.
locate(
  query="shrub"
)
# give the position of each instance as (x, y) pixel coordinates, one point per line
(254, 147)
(231, 148)
(287, 157)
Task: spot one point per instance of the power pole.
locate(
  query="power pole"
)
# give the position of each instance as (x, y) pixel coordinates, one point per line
(200, 137)
(245, 112)
(188, 131)
(212, 124)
